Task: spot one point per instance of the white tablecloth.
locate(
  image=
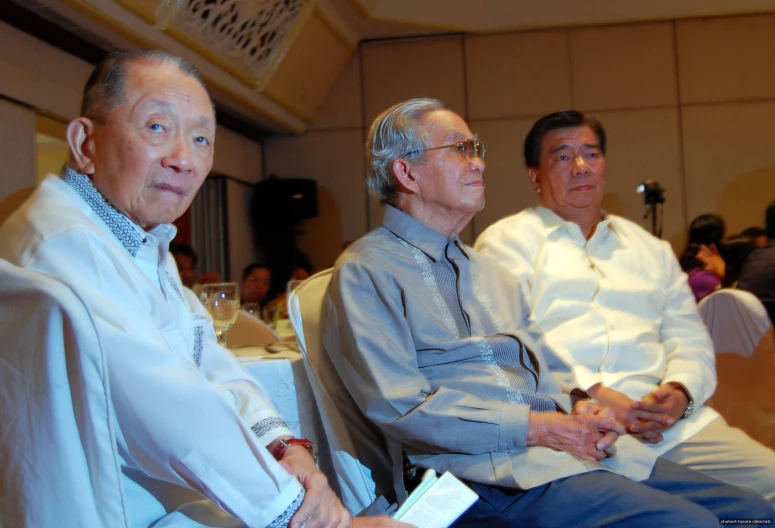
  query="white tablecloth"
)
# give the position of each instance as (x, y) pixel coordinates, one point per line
(279, 370)
(281, 375)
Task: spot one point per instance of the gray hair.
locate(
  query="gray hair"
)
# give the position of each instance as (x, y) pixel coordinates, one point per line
(396, 133)
(106, 88)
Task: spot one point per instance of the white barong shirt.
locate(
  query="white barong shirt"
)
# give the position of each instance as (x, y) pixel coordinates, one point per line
(190, 422)
(615, 309)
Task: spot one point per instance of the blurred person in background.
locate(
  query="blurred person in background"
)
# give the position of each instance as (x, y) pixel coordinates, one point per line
(735, 251)
(701, 259)
(210, 277)
(255, 285)
(300, 273)
(758, 273)
(185, 259)
(758, 234)
(277, 308)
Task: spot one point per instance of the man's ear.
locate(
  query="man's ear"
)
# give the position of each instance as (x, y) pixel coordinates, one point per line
(405, 176)
(534, 179)
(80, 138)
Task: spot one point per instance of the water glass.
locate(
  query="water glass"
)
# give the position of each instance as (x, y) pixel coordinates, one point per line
(222, 300)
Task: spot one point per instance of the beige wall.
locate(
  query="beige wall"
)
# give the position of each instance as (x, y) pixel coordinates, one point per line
(17, 152)
(689, 103)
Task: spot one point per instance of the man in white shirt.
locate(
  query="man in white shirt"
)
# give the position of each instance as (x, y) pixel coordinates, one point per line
(189, 421)
(615, 308)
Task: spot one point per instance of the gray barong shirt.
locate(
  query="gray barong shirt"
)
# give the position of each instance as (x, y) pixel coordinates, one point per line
(437, 350)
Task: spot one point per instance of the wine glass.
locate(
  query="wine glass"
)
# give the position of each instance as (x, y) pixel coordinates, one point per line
(222, 301)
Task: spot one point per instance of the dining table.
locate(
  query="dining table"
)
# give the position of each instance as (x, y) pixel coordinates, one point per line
(279, 370)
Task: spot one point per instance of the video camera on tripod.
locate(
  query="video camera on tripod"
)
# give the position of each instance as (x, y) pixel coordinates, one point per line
(653, 195)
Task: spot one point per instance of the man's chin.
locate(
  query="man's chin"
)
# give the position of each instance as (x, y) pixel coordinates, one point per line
(477, 205)
(153, 220)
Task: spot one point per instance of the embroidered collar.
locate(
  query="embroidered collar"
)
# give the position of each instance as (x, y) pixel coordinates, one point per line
(126, 231)
(419, 235)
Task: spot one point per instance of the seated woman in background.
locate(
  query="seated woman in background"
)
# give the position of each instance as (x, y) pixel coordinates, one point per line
(700, 258)
(255, 285)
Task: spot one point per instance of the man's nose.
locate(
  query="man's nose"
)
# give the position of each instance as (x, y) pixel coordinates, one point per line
(179, 156)
(478, 163)
(580, 165)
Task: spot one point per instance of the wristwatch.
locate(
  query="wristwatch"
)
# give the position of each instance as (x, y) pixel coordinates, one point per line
(282, 445)
(689, 409)
(690, 405)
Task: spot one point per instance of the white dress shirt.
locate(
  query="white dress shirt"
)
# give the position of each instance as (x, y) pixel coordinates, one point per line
(188, 417)
(615, 309)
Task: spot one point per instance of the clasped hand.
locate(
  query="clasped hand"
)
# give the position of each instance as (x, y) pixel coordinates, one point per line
(644, 419)
(585, 432)
(321, 508)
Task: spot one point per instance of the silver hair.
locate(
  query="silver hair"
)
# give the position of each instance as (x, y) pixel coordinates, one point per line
(106, 87)
(396, 133)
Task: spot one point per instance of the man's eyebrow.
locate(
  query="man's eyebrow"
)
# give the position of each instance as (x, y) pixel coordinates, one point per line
(566, 146)
(559, 148)
(153, 102)
(454, 135)
(206, 122)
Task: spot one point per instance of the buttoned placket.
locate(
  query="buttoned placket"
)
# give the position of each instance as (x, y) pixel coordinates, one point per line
(451, 260)
(598, 238)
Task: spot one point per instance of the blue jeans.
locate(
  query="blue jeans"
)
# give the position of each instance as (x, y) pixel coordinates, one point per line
(673, 496)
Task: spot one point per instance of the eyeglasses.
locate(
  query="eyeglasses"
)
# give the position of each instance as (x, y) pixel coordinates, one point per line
(468, 149)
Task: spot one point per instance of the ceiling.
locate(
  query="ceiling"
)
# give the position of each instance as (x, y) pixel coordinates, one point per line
(287, 99)
(376, 19)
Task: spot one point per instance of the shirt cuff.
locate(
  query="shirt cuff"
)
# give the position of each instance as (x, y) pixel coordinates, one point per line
(680, 372)
(284, 519)
(269, 429)
(563, 402)
(513, 427)
(691, 385)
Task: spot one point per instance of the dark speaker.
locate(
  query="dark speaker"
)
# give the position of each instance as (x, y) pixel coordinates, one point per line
(285, 199)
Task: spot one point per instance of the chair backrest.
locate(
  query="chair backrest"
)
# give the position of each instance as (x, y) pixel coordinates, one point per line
(359, 452)
(250, 330)
(59, 464)
(743, 338)
(736, 319)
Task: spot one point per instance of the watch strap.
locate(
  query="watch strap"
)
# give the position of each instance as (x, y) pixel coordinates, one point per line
(689, 401)
(282, 445)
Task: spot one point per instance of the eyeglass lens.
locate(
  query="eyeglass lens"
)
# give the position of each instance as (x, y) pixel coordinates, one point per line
(473, 147)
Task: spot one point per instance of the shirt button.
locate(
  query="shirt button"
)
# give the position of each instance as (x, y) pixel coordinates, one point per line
(510, 446)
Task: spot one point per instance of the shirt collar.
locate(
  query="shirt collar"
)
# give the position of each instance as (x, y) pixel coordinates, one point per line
(127, 232)
(414, 232)
(552, 222)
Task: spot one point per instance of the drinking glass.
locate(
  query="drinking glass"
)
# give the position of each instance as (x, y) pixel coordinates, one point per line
(222, 301)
